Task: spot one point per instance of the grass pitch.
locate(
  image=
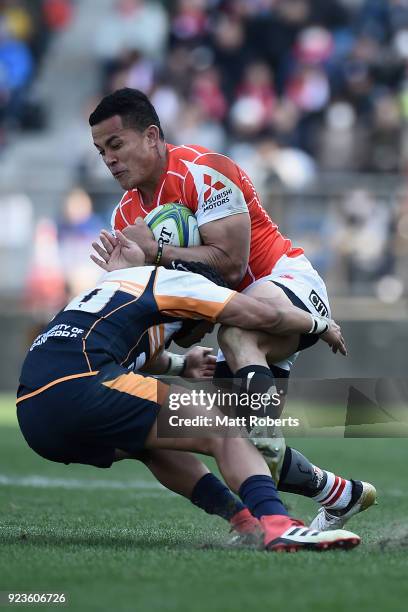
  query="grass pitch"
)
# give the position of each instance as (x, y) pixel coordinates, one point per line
(114, 540)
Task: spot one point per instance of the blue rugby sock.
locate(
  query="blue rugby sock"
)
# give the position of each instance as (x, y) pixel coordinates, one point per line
(212, 496)
(259, 493)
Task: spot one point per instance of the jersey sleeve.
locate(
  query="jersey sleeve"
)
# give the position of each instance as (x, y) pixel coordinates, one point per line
(214, 184)
(120, 215)
(189, 295)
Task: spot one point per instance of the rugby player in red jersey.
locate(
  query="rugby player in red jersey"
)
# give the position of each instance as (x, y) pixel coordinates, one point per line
(241, 242)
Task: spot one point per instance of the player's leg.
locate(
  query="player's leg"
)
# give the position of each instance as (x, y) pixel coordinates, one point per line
(52, 434)
(208, 440)
(166, 465)
(292, 282)
(339, 498)
(246, 472)
(125, 410)
(117, 409)
(186, 475)
(270, 440)
(249, 355)
(242, 466)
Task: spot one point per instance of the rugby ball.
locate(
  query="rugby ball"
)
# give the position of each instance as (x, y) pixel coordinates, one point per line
(174, 224)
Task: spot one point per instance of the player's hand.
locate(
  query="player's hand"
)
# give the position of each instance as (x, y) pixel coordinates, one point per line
(116, 252)
(143, 236)
(334, 338)
(199, 363)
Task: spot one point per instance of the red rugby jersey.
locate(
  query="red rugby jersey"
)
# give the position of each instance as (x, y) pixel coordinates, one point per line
(213, 187)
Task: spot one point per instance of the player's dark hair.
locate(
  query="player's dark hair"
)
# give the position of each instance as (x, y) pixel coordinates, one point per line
(199, 268)
(132, 105)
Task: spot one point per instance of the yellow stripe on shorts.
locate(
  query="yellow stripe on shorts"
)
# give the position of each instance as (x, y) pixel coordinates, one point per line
(139, 386)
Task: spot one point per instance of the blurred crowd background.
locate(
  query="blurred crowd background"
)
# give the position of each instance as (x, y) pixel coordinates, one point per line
(309, 96)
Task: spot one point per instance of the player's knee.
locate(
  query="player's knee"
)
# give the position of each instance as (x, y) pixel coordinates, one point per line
(210, 446)
(232, 338)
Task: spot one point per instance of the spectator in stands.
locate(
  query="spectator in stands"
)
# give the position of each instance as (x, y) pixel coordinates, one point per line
(134, 25)
(18, 19)
(77, 229)
(194, 124)
(45, 286)
(363, 238)
(189, 23)
(231, 51)
(57, 14)
(259, 67)
(258, 84)
(285, 87)
(16, 67)
(206, 93)
(385, 143)
(25, 31)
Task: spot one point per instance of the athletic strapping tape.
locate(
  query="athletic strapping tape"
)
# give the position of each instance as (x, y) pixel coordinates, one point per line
(319, 325)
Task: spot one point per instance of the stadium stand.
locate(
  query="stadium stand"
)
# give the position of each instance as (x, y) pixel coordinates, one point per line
(309, 97)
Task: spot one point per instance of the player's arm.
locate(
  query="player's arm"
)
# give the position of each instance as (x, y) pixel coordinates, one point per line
(214, 190)
(189, 295)
(196, 363)
(158, 365)
(193, 296)
(226, 246)
(248, 313)
(120, 251)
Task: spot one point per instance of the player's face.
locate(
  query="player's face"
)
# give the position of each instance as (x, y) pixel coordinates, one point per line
(131, 156)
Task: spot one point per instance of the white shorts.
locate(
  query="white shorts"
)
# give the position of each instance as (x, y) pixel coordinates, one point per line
(298, 275)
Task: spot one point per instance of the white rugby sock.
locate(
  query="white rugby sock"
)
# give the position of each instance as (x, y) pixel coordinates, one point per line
(336, 493)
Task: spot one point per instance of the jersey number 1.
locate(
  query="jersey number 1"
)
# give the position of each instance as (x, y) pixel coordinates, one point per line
(95, 300)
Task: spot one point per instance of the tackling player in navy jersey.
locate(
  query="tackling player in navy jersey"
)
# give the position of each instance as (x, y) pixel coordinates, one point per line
(78, 403)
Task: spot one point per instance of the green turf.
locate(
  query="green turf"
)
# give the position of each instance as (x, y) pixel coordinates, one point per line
(132, 548)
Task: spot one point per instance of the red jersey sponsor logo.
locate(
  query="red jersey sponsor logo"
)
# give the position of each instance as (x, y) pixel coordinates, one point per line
(217, 186)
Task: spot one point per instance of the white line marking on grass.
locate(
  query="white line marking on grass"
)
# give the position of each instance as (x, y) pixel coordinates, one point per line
(42, 482)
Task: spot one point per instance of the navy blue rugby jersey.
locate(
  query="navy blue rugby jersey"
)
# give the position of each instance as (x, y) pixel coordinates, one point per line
(153, 342)
(127, 318)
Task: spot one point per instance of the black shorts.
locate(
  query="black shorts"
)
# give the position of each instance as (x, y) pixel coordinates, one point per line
(84, 419)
